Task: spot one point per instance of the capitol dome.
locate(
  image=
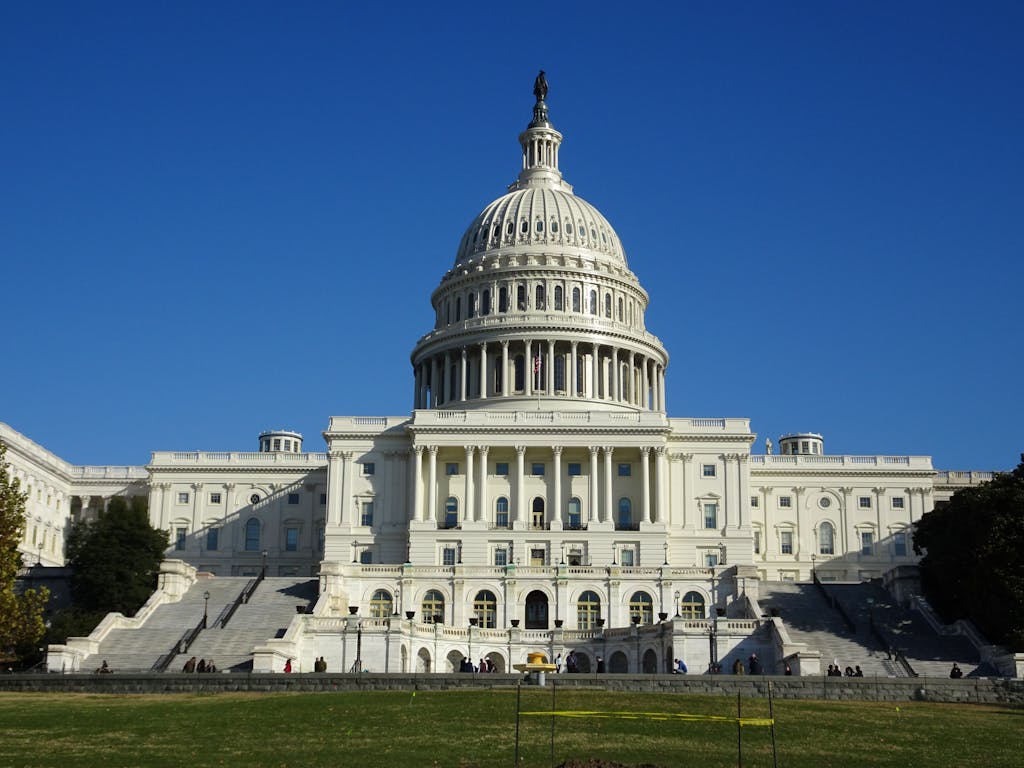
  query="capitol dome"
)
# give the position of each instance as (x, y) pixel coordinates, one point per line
(540, 303)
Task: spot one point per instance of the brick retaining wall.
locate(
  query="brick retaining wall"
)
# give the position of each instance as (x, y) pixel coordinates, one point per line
(981, 690)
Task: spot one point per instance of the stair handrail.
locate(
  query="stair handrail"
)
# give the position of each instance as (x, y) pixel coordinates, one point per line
(834, 602)
(243, 597)
(180, 647)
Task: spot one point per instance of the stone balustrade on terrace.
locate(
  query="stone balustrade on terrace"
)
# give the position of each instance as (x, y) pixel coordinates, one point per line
(236, 458)
(841, 462)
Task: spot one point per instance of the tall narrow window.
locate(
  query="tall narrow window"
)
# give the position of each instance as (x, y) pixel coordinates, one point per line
(432, 607)
(867, 542)
(252, 535)
(458, 309)
(593, 302)
(451, 512)
(786, 542)
(537, 518)
(485, 608)
(291, 539)
(608, 305)
(711, 515)
(620, 309)
(520, 379)
(576, 300)
(501, 513)
(538, 298)
(521, 298)
(826, 539)
(503, 299)
(559, 298)
(485, 302)
(588, 610)
(212, 539)
(574, 514)
(899, 544)
(559, 373)
(471, 305)
(625, 521)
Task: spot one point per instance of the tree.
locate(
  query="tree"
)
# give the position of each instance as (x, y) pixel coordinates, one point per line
(973, 564)
(21, 615)
(115, 559)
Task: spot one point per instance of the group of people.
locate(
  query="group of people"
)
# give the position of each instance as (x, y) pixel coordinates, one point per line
(201, 666)
(835, 671)
(485, 665)
(320, 665)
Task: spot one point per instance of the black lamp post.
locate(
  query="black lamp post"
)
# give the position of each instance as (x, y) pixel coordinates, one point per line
(677, 603)
(263, 570)
(206, 605)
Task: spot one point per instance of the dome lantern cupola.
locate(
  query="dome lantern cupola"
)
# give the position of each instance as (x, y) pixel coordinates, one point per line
(540, 142)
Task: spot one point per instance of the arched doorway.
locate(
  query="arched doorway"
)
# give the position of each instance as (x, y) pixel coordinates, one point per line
(618, 663)
(497, 661)
(536, 610)
(423, 661)
(583, 662)
(650, 662)
(454, 660)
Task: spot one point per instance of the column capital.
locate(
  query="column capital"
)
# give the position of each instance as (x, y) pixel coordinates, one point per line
(520, 450)
(645, 451)
(767, 490)
(229, 486)
(433, 449)
(556, 450)
(483, 449)
(847, 489)
(197, 486)
(660, 450)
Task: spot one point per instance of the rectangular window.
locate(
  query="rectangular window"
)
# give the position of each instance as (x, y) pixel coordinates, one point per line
(183, 498)
(625, 470)
(755, 502)
(366, 518)
(293, 498)
(867, 542)
(537, 556)
(710, 559)
(369, 468)
(215, 498)
(575, 470)
(501, 557)
(277, 444)
(451, 468)
(708, 470)
(366, 557)
(710, 515)
(288, 445)
(323, 498)
(501, 468)
(757, 542)
(448, 556)
(627, 558)
(785, 502)
(212, 539)
(537, 469)
(179, 538)
(320, 536)
(899, 544)
(897, 502)
(291, 539)
(864, 502)
(786, 542)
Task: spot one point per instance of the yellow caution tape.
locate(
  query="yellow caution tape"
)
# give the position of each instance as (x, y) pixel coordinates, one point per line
(751, 721)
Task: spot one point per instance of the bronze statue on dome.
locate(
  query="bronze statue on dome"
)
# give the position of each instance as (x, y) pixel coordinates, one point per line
(540, 87)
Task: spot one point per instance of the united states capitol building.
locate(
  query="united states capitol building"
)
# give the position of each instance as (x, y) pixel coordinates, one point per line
(539, 496)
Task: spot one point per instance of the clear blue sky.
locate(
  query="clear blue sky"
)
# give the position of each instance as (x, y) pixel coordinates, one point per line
(217, 218)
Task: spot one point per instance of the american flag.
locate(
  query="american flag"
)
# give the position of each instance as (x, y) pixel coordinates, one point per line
(536, 364)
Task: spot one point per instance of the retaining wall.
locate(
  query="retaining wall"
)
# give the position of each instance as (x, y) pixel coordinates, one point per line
(981, 690)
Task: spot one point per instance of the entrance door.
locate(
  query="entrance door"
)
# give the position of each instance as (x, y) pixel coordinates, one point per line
(536, 610)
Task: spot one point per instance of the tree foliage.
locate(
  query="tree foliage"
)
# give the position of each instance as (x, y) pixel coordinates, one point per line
(973, 567)
(115, 559)
(21, 616)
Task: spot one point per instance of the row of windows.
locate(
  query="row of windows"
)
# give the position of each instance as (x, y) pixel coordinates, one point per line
(217, 498)
(574, 509)
(495, 230)
(596, 304)
(588, 608)
(826, 542)
(252, 537)
(863, 502)
(573, 469)
(267, 445)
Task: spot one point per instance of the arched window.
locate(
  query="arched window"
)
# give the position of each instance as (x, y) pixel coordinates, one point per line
(641, 605)
(575, 299)
(593, 302)
(497, 376)
(485, 302)
(559, 373)
(588, 610)
(380, 604)
(252, 535)
(554, 227)
(458, 308)
(625, 521)
(536, 610)
(692, 606)
(432, 607)
(537, 519)
(620, 309)
(503, 299)
(540, 226)
(520, 379)
(524, 227)
(575, 521)
(521, 298)
(559, 296)
(608, 305)
(451, 512)
(538, 297)
(510, 228)
(471, 305)
(453, 383)
(485, 608)
(501, 512)
(826, 539)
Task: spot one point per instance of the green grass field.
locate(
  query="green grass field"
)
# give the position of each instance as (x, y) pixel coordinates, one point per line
(477, 728)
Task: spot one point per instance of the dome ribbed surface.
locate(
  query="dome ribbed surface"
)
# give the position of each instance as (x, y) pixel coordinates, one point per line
(543, 217)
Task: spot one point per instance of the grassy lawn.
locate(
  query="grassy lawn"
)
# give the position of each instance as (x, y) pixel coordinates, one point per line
(477, 728)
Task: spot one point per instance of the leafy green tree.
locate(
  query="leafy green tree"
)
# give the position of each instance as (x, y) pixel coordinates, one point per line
(21, 616)
(115, 559)
(973, 564)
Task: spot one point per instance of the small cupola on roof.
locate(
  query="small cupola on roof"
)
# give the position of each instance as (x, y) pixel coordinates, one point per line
(540, 142)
